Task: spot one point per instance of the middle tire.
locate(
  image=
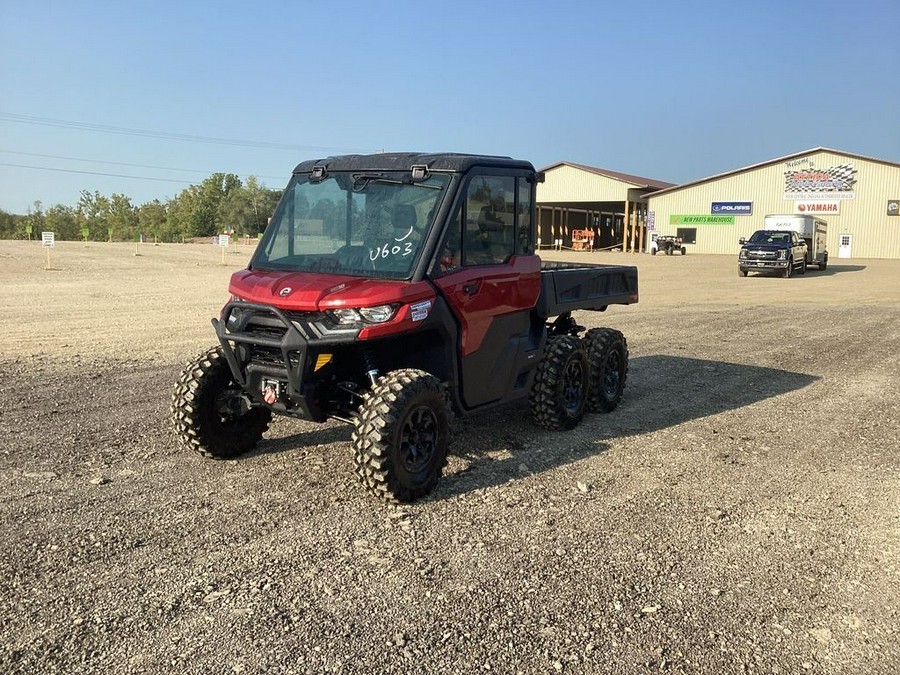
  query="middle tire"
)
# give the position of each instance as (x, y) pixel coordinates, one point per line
(400, 436)
(559, 392)
(608, 354)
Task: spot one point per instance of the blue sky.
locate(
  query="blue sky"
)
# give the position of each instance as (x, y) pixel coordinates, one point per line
(167, 93)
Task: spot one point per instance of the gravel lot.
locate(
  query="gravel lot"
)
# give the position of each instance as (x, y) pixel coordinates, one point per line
(738, 513)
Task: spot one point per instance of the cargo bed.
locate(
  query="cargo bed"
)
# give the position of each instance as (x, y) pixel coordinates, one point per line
(566, 287)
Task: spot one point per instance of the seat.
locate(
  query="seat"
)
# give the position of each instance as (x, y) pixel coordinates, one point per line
(404, 217)
(494, 237)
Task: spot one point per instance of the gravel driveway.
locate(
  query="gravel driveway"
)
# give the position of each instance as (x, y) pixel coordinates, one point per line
(738, 513)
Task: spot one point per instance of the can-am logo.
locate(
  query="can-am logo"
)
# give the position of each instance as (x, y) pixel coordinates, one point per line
(732, 208)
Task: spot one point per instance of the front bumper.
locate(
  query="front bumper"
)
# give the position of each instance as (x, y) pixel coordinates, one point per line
(749, 265)
(265, 345)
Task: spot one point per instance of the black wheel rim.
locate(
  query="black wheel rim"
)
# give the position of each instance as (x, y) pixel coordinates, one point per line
(573, 386)
(612, 375)
(418, 439)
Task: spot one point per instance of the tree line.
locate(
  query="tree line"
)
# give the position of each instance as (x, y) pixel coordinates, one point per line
(221, 203)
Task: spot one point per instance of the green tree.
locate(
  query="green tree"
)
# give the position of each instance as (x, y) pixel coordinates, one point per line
(264, 203)
(195, 211)
(121, 218)
(93, 213)
(152, 220)
(64, 221)
(236, 212)
(7, 225)
(35, 218)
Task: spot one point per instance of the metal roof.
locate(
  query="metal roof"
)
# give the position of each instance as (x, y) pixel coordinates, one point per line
(638, 181)
(769, 162)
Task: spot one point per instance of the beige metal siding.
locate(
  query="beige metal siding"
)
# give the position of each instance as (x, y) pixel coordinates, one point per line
(570, 184)
(875, 234)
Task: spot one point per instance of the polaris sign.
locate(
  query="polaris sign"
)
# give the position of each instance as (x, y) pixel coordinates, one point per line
(732, 208)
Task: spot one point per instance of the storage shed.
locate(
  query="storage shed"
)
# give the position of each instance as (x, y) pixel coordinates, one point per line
(587, 208)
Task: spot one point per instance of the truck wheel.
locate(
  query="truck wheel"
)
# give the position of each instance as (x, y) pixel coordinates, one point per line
(789, 270)
(559, 393)
(802, 269)
(743, 273)
(211, 414)
(608, 356)
(400, 436)
(823, 264)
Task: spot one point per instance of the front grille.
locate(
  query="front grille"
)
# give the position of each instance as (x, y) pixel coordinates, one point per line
(265, 332)
(267, 355)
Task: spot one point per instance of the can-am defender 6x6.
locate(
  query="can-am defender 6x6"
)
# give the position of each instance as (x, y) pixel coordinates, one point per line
(392, 291)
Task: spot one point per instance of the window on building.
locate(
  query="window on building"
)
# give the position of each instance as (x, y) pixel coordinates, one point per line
(688, 235)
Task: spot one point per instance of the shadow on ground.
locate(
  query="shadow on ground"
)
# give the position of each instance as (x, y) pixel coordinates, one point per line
(501, 444)
(832, 269)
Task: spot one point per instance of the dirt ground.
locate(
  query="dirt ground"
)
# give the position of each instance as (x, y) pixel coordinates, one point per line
(738, 513)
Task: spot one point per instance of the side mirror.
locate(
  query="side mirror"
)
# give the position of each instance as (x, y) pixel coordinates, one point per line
(742, 241)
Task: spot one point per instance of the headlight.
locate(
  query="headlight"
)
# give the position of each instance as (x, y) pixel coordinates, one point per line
(378, 314)
(743, 254)
(345, 316)
(235, 314)
(782, 254)
(348, 316)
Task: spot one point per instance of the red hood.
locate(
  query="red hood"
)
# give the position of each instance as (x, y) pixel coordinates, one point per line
(309, 292)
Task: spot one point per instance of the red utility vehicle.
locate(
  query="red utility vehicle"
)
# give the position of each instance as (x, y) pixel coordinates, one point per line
(391, 291)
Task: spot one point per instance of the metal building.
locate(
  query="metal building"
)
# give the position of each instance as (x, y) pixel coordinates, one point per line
(583, 207)
(858, 196)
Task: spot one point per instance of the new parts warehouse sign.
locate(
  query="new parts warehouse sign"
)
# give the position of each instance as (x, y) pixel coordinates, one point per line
(732, 208)
(701, 220)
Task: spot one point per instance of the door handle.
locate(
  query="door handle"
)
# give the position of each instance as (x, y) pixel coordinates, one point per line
(471, 288)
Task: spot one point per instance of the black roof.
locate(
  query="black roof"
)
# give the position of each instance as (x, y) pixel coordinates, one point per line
(404, 161)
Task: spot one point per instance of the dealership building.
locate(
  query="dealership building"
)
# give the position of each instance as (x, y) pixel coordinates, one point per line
(859, 198)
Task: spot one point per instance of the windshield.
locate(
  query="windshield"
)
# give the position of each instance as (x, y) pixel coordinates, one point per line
(369, 224)
(767, 237)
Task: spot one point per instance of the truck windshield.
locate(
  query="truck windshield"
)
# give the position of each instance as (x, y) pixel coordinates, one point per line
(769, 237)
(368, 224)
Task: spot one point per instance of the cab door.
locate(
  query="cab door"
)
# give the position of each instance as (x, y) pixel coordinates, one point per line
(490, 277)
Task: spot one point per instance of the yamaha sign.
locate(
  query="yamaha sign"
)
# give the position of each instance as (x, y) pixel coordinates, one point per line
(732, 208)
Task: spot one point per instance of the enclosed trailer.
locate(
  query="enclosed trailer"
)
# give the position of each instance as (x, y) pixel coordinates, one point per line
(813, 230)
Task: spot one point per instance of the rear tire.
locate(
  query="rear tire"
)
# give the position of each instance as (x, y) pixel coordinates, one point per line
(559, 392)
(608, 356)
(401, 435)
(212, 415)
(683, 250)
